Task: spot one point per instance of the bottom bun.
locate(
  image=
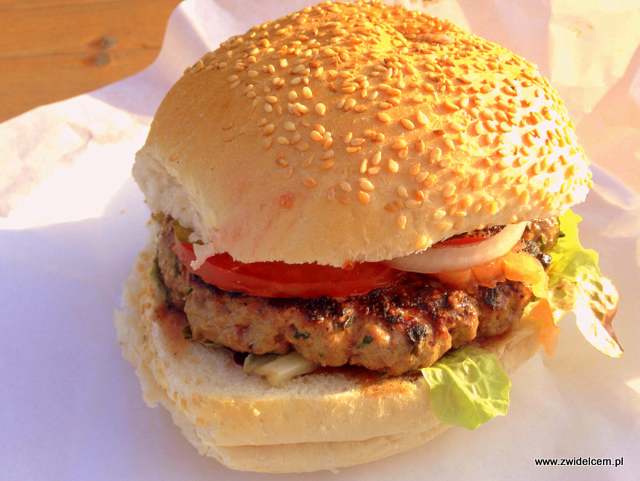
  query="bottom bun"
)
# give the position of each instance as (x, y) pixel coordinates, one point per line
(320, 421)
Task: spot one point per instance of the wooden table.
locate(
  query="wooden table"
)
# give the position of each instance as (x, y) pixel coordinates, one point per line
(54, 49)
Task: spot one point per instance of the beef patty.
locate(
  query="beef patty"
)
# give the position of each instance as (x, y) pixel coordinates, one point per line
(405, 326)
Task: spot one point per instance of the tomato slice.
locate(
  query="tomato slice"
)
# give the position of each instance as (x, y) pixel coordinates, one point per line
(459, 241)
(278, 279)
(470, 237)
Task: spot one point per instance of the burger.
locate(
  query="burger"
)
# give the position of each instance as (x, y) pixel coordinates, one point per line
(361, 226)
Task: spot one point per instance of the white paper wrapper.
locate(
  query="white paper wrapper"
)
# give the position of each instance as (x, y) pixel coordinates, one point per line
(73, 221)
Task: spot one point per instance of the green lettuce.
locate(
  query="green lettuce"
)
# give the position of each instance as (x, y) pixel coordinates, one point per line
(468, 387)
(576, 284)
(570, 260)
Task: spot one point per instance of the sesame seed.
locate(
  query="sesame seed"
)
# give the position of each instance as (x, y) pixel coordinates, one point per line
(439, 214)
(290, 126)
(407, 124)
(399, 144)
(357, 141)
(414, 169)
(422, 176)
(316, 136)
(301, 108)
(328, 154)
(421, 118)
(504, 127)
(366, 184)
(486, 115)
(402, 221)
(232, 78)
(363, 166)
(393, 166)
(321, 108)
(449, 189)
(465, 202)
(448, 142)
(272, 99)
(364, 197)
(327, 164)
(298, 69)
(283, 140)
(377, 158)
(456, 127)
(293, 95)
(269, 129)
(307, 93)
(384, 117)
(402, 192)
(449, 106)
(435, 155)
(310, 182)
(345, 186)
(490, 125)
(477, 128)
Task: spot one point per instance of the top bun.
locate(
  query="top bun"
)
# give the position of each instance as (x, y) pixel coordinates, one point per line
(357, 132)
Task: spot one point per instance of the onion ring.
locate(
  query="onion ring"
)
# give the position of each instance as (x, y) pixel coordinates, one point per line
(455, 258)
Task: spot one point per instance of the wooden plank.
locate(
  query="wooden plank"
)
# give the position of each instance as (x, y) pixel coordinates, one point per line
(55, 49)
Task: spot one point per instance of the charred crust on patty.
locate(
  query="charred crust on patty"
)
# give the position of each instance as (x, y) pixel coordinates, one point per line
(321, 308)
(416, 332)
(489, 296)
(299, 334)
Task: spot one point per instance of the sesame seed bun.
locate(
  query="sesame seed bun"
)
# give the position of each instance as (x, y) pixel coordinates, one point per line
(358, 132)
(315, 422)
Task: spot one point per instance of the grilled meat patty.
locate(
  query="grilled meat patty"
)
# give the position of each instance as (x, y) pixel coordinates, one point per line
(405, 326)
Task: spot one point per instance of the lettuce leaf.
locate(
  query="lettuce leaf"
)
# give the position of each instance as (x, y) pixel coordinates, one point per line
(570, 260)
(576, 284)
(468, 387)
